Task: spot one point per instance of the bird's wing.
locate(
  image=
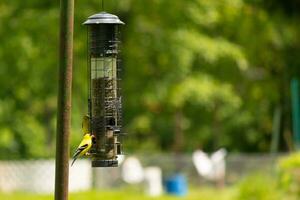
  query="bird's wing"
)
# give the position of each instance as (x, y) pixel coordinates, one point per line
(80, 149)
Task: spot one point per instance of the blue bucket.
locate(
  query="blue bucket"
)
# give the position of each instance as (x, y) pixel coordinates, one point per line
(176, 185)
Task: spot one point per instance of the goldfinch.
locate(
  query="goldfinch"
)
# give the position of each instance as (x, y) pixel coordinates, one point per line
(86, 124)
(83, 147)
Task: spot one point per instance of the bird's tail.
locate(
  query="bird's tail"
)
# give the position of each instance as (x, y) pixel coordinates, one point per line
(75, 156)
(73, 161)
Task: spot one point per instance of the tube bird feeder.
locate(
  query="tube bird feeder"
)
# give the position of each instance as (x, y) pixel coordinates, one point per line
(104, 98)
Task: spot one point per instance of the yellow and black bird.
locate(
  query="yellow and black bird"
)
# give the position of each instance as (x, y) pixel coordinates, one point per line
(83, 147)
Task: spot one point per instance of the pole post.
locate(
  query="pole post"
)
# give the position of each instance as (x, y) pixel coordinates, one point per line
(64, 99)
(276, 130)
(296, 111)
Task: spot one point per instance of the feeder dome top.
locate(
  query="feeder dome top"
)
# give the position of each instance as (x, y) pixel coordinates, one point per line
(103, 18)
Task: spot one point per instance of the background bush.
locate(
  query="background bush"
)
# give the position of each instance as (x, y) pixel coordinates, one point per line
(289, 174)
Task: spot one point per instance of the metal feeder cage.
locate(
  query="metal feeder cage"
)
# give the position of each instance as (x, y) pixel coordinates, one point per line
(104, 98)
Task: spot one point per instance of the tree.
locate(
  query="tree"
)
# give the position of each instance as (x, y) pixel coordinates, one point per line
(196, 73)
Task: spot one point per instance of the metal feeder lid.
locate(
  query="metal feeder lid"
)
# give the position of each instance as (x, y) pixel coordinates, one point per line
(103, 18)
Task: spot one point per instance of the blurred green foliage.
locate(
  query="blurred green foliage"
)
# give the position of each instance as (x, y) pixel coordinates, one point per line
(259, 187)
(289, 174)
(283, 183)
(196, 73)
(123, 194)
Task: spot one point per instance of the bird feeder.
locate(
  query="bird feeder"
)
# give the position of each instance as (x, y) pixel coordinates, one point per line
(104, 98)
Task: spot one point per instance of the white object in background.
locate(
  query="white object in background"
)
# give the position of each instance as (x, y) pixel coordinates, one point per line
(202, 163)
(132, 170)
(211, 168)
(38, 176)
(153, 178)
(219, 165)
(80, 177)
(120, 159)
(29, 176)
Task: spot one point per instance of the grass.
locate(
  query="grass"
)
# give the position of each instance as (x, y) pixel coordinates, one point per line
(195, 194)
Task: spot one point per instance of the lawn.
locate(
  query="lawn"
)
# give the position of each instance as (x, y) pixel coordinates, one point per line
(204, 193)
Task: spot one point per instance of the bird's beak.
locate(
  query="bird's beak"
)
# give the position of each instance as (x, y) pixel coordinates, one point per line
(93, 139)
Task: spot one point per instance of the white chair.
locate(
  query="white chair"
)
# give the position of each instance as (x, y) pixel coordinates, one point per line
(210, 167)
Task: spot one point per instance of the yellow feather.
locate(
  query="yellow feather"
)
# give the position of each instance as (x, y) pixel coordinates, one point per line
(87, 139)
(83, 147)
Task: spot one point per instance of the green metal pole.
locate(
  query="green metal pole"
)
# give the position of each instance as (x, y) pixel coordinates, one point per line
(64, 99)
(296, 111)
(276, 130)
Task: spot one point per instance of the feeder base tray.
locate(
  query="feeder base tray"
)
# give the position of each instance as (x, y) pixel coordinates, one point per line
(104, 163)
